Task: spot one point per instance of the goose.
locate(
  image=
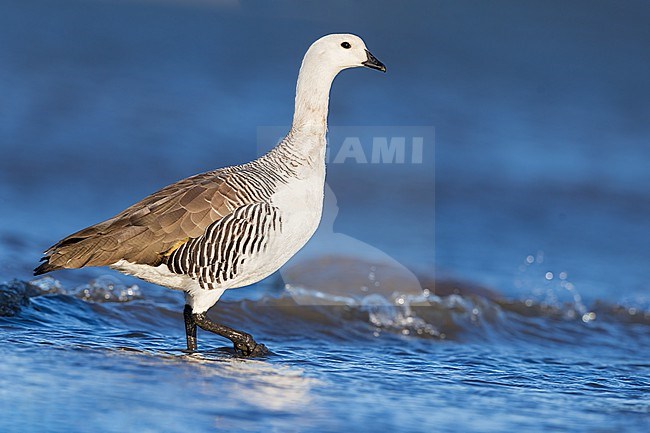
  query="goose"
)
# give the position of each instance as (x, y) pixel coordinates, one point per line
(233, 226)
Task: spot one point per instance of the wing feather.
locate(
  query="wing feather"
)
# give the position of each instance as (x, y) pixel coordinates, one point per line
(145, 231)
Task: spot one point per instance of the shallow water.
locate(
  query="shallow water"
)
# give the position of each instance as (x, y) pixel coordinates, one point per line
(500, 283)
(461, 362)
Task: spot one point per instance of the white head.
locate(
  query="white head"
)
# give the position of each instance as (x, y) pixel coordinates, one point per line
(324, 59)
(341, 51)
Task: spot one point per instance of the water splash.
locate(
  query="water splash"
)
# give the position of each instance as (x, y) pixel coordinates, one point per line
(102, 289)
(551, 288)
(396, 315)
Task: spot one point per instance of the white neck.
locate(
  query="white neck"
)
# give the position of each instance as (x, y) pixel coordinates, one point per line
(312, 98)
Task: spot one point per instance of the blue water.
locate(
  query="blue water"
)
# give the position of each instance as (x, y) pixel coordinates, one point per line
(498, 283)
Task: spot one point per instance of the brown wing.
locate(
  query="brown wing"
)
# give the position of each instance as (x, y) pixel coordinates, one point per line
(146, 231)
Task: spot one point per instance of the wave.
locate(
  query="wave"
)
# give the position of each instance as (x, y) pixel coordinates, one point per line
(456, 312)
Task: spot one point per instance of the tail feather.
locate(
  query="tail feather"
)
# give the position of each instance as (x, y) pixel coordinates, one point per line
(77, 253)
(46, 267)
(52, 259)
(100, 245)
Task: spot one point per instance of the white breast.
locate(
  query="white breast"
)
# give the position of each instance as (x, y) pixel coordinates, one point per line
(300, 202)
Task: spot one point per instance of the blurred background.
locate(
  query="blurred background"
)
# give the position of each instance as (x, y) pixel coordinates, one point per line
(530, 202)
(540, 112)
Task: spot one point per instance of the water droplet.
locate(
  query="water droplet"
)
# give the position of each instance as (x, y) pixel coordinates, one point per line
(549, 276)
(588, 317)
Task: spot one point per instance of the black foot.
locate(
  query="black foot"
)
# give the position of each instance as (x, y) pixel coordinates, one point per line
(244, 343)
(248, 347)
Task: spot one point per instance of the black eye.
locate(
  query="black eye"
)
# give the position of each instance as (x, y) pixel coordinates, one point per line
(346, 45)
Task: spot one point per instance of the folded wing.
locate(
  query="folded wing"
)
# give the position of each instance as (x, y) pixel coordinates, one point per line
(147, 230)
